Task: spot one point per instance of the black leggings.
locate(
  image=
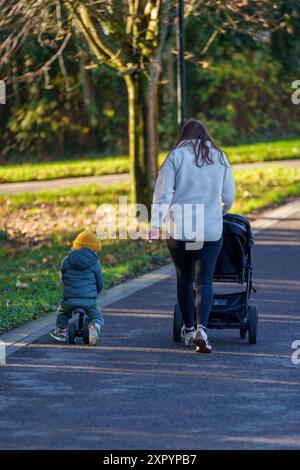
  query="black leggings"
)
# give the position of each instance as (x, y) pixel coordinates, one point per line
(201, 262)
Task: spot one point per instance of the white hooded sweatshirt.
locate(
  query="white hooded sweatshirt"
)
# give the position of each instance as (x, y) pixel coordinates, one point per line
(206, 190)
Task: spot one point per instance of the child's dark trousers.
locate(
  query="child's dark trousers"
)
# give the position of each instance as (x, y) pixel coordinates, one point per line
(68, 305)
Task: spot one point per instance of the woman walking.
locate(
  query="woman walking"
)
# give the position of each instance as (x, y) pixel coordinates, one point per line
(195, 172)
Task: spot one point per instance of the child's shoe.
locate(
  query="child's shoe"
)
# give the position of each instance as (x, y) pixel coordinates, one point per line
(94, 334)
(60, 334)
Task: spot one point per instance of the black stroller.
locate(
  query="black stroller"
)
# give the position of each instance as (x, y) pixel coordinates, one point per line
(231, 310)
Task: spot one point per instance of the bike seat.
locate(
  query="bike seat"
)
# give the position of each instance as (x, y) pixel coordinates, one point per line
(78, 310)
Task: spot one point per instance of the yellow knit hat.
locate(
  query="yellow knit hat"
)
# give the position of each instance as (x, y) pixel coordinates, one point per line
(87, 239)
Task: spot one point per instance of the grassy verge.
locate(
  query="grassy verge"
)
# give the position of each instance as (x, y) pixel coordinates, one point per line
(289, 149)
(64, 169)
(266, 151)
(37, 229)
(263, 187)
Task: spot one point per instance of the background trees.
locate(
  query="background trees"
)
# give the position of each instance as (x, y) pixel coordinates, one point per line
(130, 37)
(127, 36)
(81, 73)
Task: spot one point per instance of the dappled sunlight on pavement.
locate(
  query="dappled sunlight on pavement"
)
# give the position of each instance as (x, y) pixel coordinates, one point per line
(139, 389)
(139, 349)
(145, 371)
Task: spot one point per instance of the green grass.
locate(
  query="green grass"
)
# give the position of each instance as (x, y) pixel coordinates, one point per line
(285, 149)
(63, 169)
(37, 268)
(267, 151)
(80, 197)
(264, 187)
(37, 230)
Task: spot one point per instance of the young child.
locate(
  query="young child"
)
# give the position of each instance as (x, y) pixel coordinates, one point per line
(82, 279)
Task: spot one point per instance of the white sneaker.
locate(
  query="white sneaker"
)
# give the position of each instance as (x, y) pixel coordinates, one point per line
(188, 336)
(201, 341)
(94, 334)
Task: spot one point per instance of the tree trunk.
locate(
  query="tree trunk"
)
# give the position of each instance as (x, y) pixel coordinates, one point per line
(142, 129)
(89, 93)
(152, 134)
(142, 96)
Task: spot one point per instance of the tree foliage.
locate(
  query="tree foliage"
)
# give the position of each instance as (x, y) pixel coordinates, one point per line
(72, 68)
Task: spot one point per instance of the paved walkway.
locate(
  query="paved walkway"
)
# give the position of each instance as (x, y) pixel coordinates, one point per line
(105, 180)
(46, 185)
(140, 390)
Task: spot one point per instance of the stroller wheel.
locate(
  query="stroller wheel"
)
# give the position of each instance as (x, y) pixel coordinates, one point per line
(243, 333)
(252, 324)
(177, 324)
(72, 333)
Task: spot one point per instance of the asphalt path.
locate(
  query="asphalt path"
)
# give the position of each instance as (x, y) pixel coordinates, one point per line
(139, 390)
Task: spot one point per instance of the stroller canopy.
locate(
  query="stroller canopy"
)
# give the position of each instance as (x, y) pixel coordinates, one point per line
(237, 243)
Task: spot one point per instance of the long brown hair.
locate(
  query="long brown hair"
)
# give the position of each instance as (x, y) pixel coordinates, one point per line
(195, 134)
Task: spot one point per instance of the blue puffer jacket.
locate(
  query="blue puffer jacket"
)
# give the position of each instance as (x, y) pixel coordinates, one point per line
(81, 274)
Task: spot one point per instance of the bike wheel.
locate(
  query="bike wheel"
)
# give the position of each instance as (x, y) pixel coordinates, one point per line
(72, 333)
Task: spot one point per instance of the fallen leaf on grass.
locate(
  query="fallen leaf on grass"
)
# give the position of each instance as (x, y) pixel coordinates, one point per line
(21, 285)
(31, 262)
(47, 259)
(110, 259)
